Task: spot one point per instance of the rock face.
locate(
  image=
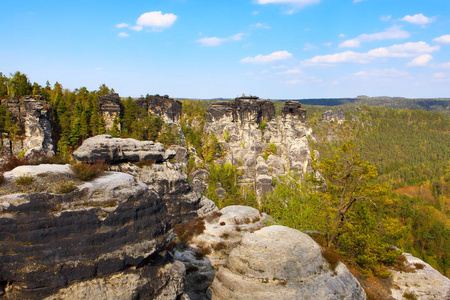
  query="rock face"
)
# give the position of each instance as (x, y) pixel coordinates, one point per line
(424, 282)
(106, 232)
(114, 150)
(33, 117)
(168, 108)
(248, 131)
(298, 272)
(331, 116)
(110, 108)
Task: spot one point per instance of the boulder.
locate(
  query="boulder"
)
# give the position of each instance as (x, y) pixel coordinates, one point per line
(277, 262)
(115, 150)
(422, 281)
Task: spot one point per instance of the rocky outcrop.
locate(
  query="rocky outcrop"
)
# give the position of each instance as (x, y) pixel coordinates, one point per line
(32, 116)
(298, 272)
(331, 116)
(421, 281)
(164, 106)
(110, 109)
(115, 150)
(104, 233)
(249, 134)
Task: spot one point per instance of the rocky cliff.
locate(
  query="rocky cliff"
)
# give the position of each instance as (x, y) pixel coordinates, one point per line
(261, 145)
(164, 106)
(110, 109)
(34, 134)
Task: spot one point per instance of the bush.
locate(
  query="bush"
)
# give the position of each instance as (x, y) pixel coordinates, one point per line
(186, 232)
(24, 180)
(331, 257)
(86, 171)
(65, 187)
(144, 163)
(2, 177)
(12, 162)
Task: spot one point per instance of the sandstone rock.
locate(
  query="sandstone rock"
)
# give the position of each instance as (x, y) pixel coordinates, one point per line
(51, 241)
(293, 109)
(39, 169)
(164, 106)
(31, 114)
(424, 282)
(110, 108)
(330, 116)
(277, 262)
(115, 150)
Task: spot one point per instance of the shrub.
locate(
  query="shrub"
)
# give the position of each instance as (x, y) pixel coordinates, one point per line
(273, 148)
(86, 171)
(419, 266)
(11, 162)
(226, 136)
(331, 257)
(409, 296)
(262, 125)
(212, 216)
(186, 232)
(24, 180)
(65, 187)
(2, 177)
(144, 163)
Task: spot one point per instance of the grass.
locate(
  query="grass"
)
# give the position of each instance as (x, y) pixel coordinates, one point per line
(24, 180)
(87, 172)
(64, 187)
(409, 296)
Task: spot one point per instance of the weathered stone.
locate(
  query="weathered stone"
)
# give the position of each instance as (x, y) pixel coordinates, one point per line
(115, 150)
(330, 116)
(424, 282)
(32, 116)
(277, 262)
(110, 108)
(163, 106)
(52, 241)
(293, 109)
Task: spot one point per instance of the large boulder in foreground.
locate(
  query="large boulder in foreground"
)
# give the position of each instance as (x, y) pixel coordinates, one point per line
(105, 239)
(277, 262)
(115, 150)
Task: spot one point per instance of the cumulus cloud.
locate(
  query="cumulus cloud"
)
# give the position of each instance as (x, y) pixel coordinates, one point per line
(420, 61)
(402, 50)
(445, 39)
(418, 19)
(265, 59)
(215, 41)
(122, 25)
(156, 20)
(290, 72)
(394, 32)
(385, 18)
(137, 28)
(123, 34)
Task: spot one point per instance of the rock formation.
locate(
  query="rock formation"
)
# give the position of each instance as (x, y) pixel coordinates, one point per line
(110, 108)
(32, 118)
(163, 106)
(114, 150)
(331, 116)
(261, 145)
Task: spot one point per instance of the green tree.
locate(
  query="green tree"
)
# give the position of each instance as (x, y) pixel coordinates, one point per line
(20, 85)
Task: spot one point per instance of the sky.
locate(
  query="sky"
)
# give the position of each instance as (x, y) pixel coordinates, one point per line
(274, 49)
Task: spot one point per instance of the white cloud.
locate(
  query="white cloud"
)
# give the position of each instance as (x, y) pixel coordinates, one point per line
(380, 73)
(309, 47)
(156, 20)
(260, 26)
(293, 81)
(385, 18)
(444, 66)
(290, 72)
(342, 35)
(327, 44)
(123, 34)
(264, 59)
(137, 28)
(122, 25)
(215, 41)
(420, 61)
(294, 4)
(394, 32)
(402, 50)
(418, 19)
(440, 77)
(445, 39)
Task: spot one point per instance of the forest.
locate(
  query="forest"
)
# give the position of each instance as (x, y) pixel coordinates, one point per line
(385, 172)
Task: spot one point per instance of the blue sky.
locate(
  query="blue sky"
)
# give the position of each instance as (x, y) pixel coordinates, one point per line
(275, 49)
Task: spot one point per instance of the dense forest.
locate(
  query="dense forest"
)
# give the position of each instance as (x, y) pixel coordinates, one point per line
(384, 173)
